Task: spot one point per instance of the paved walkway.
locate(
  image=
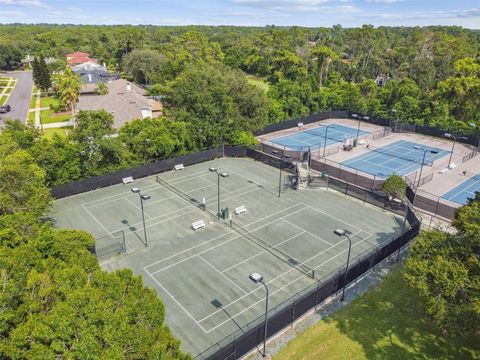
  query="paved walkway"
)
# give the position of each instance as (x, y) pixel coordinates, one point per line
(58, 124)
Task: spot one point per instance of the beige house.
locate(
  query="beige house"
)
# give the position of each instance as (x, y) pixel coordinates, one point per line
(125, 101)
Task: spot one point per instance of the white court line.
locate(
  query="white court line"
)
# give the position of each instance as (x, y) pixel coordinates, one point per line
(88, 211)
(298, 227)
(274, 292)
(123, 196)
(178, 303)
(117, 196)
(221, 244)
(221, 273)
(334, 217)
(263, 251)
(145, 212)
(455, 186)
(206, 242)
(175, 211)
(289, 271)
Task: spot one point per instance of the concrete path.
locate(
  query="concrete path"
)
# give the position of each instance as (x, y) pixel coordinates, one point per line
(58, 124)
(41, 109)
(37, 123)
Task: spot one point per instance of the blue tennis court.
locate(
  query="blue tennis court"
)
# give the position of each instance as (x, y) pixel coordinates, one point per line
(314, 138)
(399, 157)
(466, 190)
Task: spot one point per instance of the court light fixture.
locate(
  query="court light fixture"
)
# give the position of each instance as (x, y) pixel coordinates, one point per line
(339, 232)
(135, 190)
(145, 197)
(258, 279)
(212, 169)
(255, 277)
(224, 175)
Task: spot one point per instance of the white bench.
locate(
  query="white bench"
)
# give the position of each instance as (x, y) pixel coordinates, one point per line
(127, 180)
(240, 210)
(300, 126)
(179, 167)
(198, 224)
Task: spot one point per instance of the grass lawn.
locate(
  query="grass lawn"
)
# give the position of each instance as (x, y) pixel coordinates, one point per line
(49, 100)
(385, 323)
(9, 90)
(2, 100)
(63, 131)
(260, 82)
(31, 117)
(33, 101)
(48, 116)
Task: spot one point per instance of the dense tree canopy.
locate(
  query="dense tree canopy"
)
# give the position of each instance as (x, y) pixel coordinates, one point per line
(445, 270)
(56, 301)
(216, 101)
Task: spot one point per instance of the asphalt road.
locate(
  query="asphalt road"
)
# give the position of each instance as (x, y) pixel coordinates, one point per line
(20, 97)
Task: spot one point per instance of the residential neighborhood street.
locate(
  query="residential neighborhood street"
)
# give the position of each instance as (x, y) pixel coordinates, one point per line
(19, 99)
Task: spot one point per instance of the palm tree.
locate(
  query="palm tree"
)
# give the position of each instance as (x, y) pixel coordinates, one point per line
(68, 88)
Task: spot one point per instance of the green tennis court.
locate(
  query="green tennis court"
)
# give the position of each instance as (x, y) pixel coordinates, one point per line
(202, 275)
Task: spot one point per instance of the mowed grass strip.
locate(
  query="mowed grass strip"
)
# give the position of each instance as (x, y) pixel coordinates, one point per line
(49, 100)
(63, 131)
(386, 322)
(33, 101)
(48, 117)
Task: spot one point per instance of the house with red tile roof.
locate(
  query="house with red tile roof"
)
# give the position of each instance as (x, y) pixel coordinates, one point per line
(79, 57)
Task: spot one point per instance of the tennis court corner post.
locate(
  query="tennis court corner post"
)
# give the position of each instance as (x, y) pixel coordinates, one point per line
(341, 232)
(257, 278)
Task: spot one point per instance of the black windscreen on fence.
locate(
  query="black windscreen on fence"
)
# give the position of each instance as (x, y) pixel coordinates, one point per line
(338, 114)
(281, 318)
(84, 185)
(294, 308)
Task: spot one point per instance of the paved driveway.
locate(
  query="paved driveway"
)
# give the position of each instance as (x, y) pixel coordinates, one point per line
(20, 97)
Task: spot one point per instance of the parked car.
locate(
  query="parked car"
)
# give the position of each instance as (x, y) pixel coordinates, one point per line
(4, 109)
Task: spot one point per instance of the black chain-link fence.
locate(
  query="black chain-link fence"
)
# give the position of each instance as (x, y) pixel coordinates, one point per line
(96, 182)
(286, 313)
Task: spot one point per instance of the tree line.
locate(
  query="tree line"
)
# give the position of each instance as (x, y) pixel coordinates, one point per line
(431, 73)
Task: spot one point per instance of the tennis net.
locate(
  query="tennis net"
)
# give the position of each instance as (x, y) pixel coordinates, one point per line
(394, 153)
(195, 202)
(307, 270)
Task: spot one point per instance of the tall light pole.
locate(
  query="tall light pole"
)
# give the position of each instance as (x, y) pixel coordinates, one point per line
(325, 139)
(257, 278)
(425, 151)
(341, 233)
(219, 174)
(451, 136)
(358, 131)
(143, 197)
(282, 158)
